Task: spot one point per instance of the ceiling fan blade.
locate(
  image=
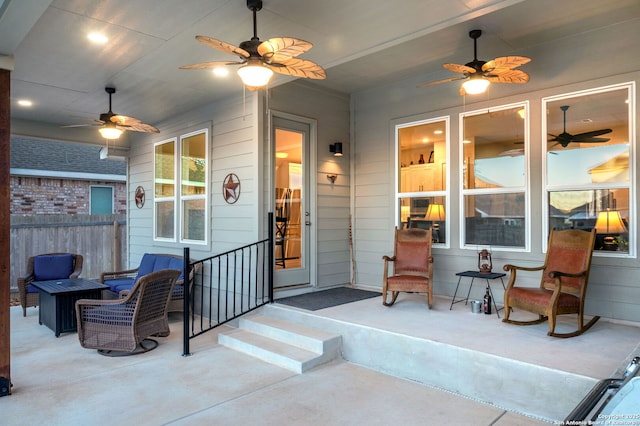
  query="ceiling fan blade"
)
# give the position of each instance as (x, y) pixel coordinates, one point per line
(446, 80)
(205, 65)
(589, 135)
(141, 127)
(509, 76)
(504, 64)
(279, 49)
(222, 46)
(123, 120)
(131, 123)
(459, 68)
(299, 68)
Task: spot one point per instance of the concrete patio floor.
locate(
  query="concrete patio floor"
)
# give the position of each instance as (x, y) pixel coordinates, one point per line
(57, 382)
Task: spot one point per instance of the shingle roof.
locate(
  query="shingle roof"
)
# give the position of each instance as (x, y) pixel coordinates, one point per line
(39, 154)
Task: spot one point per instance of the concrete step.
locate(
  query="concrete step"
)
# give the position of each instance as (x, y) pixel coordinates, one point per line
(282, 342)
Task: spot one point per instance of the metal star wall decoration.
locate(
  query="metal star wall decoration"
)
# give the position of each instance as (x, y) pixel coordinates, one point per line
(231, 188)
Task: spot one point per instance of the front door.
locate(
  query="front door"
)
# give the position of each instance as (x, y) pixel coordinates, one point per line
(291, 202)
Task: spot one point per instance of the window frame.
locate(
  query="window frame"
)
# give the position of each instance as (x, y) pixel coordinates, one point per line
(165, 199)
(203, 196)
(442, 194)
(631, 186)
(111, 198)
(525, 188)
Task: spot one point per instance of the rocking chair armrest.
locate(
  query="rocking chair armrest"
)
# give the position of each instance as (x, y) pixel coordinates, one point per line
(508, 267)
(560, 274)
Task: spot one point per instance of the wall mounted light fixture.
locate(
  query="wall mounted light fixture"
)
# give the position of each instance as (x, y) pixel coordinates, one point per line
(332, 178)
(336, 149)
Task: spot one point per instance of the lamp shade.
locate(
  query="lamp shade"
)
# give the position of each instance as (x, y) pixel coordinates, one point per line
(254, 75)
(435, 213)
(610, 222)
(475, 86)
(110, 131)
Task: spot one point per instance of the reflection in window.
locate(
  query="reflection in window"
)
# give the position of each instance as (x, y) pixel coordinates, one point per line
(588, 164)
(495, 176)
(422, 183)
(425, 213)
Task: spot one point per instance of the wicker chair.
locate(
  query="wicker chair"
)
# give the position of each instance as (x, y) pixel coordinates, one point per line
(412, 265)
(563, 286)
(122, 281)
(50, 266)
(123, 325)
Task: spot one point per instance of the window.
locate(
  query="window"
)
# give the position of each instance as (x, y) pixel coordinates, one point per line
(588, 165)
(101, 200)
(165, 190)
(184, 203)
(494, 177)
(422, 185)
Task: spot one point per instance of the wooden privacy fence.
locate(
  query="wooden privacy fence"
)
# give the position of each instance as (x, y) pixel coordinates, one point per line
(100, 239)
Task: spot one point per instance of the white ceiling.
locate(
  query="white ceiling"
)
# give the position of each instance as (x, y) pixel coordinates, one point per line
(361, 43)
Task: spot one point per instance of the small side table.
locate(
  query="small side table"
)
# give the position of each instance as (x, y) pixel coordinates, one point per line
(473, 275)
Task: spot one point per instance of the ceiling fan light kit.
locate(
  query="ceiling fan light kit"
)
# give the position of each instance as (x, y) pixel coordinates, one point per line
(254, 75)
(259, 60)
(475, 86)
(110, 131)
(479, 74)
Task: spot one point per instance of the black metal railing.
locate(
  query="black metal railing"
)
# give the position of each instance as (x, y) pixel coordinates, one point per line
(227, 286)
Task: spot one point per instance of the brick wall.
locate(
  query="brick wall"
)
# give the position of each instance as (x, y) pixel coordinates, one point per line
(34, 195)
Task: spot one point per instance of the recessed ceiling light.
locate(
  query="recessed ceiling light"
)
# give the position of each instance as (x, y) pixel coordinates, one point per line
(281, 155)
(97, 38)
(437, 132)
(425, 140)
(25, 103)
(220, 72)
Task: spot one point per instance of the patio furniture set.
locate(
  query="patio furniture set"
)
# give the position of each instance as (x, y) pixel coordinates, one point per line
(562, 289)
(115, 314)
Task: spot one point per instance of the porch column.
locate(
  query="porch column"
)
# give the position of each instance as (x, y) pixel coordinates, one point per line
(5, 234)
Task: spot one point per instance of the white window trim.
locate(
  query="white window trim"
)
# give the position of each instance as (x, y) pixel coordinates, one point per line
(632, 186)
(204, 196)
(444, 193)
(526, 188)
(173, 198)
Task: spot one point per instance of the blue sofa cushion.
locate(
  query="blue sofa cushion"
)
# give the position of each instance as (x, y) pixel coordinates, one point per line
(149, 263)
(153, 262)
(32, 289)
(52, 267)
(119, 284)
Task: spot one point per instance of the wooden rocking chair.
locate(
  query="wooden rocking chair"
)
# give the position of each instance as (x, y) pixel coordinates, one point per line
(563, 286)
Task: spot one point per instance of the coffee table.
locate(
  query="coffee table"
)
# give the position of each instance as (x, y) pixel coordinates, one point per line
(58, 301)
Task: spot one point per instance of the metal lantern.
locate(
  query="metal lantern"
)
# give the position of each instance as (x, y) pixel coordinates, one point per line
(484, 261)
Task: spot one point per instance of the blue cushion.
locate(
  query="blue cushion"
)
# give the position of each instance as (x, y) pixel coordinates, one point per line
(118, 284)
(152, 263)
(52, 267)
(32, 289)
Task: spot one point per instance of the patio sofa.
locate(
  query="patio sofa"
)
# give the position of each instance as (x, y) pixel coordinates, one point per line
(121, 282)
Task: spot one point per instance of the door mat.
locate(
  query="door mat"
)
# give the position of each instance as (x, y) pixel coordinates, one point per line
(327, 298)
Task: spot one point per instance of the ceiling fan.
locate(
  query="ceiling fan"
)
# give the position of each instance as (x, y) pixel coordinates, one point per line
(565, 138)
(113, 125)
(259, 59)
(479, 74)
